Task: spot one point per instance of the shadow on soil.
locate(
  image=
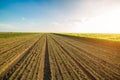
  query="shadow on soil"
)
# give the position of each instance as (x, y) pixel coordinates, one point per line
(47, 72)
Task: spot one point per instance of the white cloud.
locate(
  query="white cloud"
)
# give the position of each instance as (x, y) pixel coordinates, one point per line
(94, 16)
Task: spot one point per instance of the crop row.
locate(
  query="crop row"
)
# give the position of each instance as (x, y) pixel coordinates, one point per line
(10, 57)
(93, 67)
(57, 57)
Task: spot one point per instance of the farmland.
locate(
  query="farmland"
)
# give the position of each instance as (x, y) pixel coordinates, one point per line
(111, 37)
(58, 57)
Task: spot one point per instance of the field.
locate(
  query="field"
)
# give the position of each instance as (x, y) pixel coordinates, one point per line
(111, 37)
(11, 34)
(48, 56)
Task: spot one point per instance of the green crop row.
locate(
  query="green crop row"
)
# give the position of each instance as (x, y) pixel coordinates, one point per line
(111, 37)
(12, 34)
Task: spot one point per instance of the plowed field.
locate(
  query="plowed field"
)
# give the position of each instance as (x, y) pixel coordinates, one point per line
(59, 57)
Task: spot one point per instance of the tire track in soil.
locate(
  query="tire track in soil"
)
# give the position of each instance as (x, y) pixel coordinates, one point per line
(47, 71)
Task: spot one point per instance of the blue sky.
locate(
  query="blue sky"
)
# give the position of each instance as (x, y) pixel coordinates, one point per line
(59, 15)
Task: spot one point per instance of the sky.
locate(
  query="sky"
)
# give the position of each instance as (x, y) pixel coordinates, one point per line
(81, 16)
